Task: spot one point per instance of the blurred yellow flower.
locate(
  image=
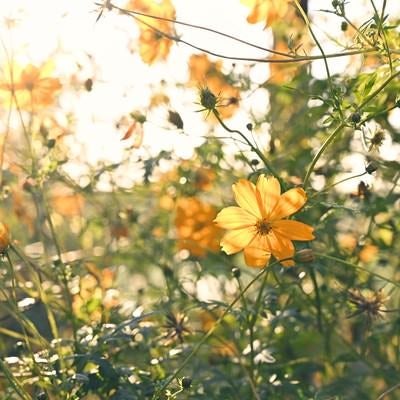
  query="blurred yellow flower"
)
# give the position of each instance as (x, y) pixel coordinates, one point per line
(266, 10)
(195, 228)
(257, 225)
(153, 44)
(30, 87)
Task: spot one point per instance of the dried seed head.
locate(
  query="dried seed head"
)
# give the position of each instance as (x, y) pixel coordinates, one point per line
(370, 303)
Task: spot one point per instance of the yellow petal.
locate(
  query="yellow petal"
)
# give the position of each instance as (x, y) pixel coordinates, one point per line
(281, 248)
(293, 230)
(236, 240)
(289, 202)
(255, 257)
(235, 218)
(269, 191)
(246, 197)
(257, 253)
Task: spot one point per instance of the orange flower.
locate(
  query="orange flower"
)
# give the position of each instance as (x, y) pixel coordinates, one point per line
(153, 45)
(68, 205)
(203, 179)
(4, 237)
(281, 73)
(257, 225)
(266, 10)
(195, 229)
(32, 86)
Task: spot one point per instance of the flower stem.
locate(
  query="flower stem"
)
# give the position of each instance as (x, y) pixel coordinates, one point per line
(207, 335)
(253, 148)
(358, 267)
(338, 129)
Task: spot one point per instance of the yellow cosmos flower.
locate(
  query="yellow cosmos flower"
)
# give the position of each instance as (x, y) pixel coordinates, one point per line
(258, 226)
(32, 86)
(153, 45)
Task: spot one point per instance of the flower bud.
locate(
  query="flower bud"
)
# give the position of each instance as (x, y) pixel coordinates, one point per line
(236, 272)
(4, 237)
(186, 382)
(208, 99)
(41, 396)
(305, 256)
(371, 167)
(355, 117)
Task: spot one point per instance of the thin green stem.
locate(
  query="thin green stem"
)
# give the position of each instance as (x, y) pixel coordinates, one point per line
(388, 391)
(382, 32)
(290, 58)
(19, 390)
(250, 326)
(325, 189)
(307, 21)
(338, 129)
(64, 276)
(321, 151)
(253, 148)
(376, 275)
(317, 299)
(207, 335)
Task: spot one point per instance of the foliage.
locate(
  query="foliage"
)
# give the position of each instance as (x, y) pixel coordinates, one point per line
(121, 291)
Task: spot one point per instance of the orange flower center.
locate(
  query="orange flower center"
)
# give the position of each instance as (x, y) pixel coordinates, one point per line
(263, 227)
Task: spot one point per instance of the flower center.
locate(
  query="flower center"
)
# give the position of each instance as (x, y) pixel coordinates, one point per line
(263, 227)
(29, 85)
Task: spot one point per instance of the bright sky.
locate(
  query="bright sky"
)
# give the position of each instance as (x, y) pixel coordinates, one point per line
(66, 32)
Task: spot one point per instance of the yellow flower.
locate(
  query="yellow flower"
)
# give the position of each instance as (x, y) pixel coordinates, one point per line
(153, 45)
(257, 225)
(266, 10)
(32, 86)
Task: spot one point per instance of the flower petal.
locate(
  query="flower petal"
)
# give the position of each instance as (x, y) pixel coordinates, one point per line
(281, 248)
(256, 257)
(257, 253)
(235, 218)
(236, 240)
(293, 230)
(289, 202)
(269, 191)
(246, 197)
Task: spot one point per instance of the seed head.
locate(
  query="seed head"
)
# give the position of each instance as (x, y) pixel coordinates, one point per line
(208, 99)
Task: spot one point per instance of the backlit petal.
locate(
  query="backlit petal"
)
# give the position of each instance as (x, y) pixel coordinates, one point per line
(281, 248)
(257, 253)
(293, 230)
(246, 197)
(236, 240)
(235, 218)
(269, 191)
(255, 257)
(289, 202)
